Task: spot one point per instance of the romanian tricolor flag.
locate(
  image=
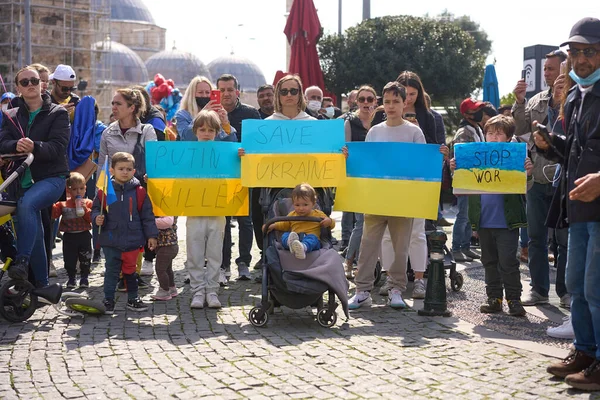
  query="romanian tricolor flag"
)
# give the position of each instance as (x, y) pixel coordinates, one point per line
(392, 179)
(195, 179)
(284, 153)
(105, 184)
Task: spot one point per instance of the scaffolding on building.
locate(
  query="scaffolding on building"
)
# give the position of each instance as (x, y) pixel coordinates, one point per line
(62, 32)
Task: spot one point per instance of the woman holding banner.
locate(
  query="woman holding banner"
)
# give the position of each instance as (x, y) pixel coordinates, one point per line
(196, 99)
(35, 125)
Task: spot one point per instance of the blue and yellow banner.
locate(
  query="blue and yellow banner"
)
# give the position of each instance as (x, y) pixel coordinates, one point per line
(286, 153)
(195, 179)
(392, 179)
(490, 167)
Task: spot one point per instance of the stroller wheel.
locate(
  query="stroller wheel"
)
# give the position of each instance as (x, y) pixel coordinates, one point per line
(457, 283)
(377, 274)
(17, 303)
(326, 318)
(258, 317)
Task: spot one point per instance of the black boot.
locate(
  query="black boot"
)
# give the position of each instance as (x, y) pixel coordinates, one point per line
(19, 270)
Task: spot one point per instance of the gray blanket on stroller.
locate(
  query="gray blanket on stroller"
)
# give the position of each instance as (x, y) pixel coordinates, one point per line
(324, 265)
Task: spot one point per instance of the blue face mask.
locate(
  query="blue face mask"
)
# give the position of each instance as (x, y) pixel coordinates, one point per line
(589, 81)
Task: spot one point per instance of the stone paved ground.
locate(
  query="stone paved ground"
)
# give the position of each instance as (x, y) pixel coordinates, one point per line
(174, 352)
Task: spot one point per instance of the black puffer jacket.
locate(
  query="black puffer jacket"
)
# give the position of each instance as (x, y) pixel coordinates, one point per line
(358, 132)
(241, 112)
(50, 133)
(581, 151)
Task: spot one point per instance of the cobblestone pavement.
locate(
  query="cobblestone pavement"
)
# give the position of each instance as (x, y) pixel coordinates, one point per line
(171, 351)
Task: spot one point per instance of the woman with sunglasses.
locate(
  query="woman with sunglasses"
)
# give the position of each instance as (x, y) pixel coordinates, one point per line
(289, 100)
(356, 127)
(39, 127)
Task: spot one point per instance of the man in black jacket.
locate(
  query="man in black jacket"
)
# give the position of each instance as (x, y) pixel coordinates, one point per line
(577, 203)
(236, 112)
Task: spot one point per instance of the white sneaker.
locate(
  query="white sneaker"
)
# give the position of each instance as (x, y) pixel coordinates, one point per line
(291, 237)
(222, 278)
(147, 268)
(395, 299)
(360, 299)
(297, 248)
(213, 300)
(198, 300)
(419, 289)
(565, 331)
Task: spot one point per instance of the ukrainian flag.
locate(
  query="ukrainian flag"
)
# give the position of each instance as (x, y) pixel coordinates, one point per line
(104, 184)
(392, 179)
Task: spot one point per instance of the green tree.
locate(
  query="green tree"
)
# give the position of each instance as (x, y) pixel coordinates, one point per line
(508, 99)
(377, 50)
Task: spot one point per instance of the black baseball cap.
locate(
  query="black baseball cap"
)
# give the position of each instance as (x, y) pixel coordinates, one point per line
(585, 31)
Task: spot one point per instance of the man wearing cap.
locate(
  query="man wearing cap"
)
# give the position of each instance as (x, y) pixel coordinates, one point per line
(468, 131)
(543, 107)
(63, 80)
(576, 203)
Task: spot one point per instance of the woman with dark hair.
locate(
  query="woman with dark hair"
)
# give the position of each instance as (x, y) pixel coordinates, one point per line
(36, 126)
(416, 105)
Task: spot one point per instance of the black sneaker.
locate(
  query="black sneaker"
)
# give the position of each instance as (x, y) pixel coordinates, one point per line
(97, 257)
(121, 285)
(493, 305)
(19, 270)
(71, 283)
(84, 283)
(136, 305)
(109, 306)
(141, 283)
(515, 308)
(186, 281)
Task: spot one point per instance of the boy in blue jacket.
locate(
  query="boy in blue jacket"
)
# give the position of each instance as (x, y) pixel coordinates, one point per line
(125, 228)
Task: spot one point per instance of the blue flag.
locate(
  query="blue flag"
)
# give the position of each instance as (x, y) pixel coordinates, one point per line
(105, 184)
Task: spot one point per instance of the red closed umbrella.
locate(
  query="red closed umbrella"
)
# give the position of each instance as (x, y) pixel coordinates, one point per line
(302, 31)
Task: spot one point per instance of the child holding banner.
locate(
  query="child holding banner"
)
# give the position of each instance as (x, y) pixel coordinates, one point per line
(301, 237)
(498, 218)
(204, 236)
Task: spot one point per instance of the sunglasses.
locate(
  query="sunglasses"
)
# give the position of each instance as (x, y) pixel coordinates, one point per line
(284, 92)
(65, 89)
(366, 99)
(587, 52)
(25, 82)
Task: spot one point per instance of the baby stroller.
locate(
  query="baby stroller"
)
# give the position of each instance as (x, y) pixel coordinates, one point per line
(19, 298)
(295, 283)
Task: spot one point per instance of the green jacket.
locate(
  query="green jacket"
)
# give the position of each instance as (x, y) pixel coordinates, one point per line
(514, 211)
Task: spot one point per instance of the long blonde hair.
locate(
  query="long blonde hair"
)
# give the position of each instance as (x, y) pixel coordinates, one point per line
(188, 102)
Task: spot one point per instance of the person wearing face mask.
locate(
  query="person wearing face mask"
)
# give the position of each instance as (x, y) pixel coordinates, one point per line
(329, 110)
(5, 103)
(314, 99)
(195, 99)
(468, 131)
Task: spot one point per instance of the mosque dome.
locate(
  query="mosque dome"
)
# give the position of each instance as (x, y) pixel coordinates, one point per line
(249, 76)
(125, 66)
(130, 10)
(178, 65)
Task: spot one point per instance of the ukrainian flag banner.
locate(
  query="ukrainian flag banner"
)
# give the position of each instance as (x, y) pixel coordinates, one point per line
(105, 184)
(286, 153)
(392, 179)
(195, 179)
(490, 167)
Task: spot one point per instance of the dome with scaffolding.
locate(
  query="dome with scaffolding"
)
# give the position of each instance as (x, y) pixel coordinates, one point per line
(130, 10)
(248, 75)
(118, 65)
(178, 65)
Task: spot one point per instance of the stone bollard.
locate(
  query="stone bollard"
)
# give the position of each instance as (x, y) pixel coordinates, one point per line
(435, 296)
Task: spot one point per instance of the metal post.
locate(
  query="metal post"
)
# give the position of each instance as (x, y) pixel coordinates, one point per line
(435, 296)
(27, 32)
(340, 17)
(366, 9)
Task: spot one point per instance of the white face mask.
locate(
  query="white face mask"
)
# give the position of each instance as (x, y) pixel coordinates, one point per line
(314, 105)
(329, 112)
(5, 107)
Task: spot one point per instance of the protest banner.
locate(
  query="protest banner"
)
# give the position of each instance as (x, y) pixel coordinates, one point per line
(392, 179)
(286, 153)
(195, 179)
(490, 167)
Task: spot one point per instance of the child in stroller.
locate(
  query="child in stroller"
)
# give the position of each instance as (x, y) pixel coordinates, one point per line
(295, 282)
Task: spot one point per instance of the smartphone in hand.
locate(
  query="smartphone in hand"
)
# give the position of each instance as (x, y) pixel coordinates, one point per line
(543, 131)
(524, 74)
(215, 95)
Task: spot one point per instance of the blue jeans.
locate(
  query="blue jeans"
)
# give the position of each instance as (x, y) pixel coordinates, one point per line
(583, 280)
(355, 238)
(539, 198)
(347, 226)
(113, 267)
(524, 238)
(311, 242)
(30, 233)
(461, 231)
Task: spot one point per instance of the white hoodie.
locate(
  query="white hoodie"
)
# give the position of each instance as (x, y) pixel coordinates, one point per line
(301, 116)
